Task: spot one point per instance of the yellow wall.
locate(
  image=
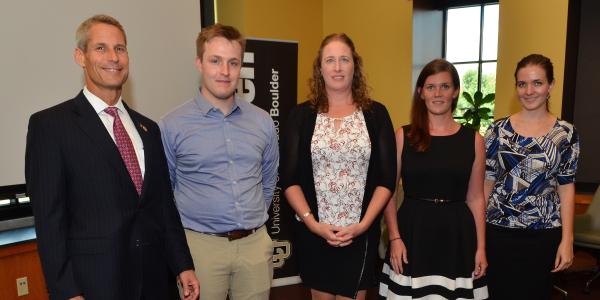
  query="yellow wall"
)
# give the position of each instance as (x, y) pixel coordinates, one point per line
(294, 20)
(532, 26)
(386, 52)
(232, 12)
(382, 33)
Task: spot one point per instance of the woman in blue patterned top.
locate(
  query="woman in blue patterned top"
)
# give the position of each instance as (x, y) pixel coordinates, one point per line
(530, 173)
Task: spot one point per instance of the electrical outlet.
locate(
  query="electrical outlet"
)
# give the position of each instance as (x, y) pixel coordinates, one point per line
(22, 286)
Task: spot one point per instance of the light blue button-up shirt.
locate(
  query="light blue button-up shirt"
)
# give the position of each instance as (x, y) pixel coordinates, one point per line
(223, 168)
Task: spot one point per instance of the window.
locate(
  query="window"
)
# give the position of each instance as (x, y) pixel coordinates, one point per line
(471, 44)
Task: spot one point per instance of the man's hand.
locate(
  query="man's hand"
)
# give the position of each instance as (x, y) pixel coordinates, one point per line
(189, 285)
(77, 298)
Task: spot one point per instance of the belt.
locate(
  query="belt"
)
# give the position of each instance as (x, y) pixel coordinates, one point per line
(434, 200)
(234, 234)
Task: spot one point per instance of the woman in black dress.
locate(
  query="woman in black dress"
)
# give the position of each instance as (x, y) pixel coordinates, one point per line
(338, 171)
(437, 239)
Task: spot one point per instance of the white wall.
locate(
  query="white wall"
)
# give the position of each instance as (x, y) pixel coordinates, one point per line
(37, 68)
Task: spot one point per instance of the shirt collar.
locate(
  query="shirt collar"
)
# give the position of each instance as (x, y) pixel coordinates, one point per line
(205, 106)
(98, 104)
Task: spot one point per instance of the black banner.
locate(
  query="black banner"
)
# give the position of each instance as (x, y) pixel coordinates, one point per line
(269, 80)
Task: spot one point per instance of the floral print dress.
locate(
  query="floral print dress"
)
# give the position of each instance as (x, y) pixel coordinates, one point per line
(340, 149)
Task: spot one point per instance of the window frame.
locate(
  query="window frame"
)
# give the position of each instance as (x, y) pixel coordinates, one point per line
(479, 61)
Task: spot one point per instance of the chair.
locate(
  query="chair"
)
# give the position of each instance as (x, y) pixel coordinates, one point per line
(563, 293)
(587, 234)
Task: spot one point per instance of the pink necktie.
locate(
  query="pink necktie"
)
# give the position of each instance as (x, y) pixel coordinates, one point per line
(126, 149)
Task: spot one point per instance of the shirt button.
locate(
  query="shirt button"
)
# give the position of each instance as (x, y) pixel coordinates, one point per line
(231, 162)
(234, 182)
(228, 140)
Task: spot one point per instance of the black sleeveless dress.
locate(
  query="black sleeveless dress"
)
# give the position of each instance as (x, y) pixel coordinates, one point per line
(440, 238)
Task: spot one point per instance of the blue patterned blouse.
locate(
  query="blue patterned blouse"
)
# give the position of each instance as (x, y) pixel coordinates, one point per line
(527, 172)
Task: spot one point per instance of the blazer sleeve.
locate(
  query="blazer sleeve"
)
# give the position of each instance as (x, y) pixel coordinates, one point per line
(289, 172)
(386, 149)
(46, 186)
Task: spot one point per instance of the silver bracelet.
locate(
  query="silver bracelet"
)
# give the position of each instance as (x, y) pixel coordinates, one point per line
(303, 216)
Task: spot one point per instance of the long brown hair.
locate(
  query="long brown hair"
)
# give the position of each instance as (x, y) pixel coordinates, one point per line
(418, 135)
(360, 90)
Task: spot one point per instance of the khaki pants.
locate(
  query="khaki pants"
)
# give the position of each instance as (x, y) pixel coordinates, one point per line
(242, 268)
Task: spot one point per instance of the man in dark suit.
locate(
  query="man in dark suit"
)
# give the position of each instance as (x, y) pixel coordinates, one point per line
(106, 222)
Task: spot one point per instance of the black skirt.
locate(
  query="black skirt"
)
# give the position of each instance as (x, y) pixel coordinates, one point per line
(337, 270)
(441, 242)
(520, 262)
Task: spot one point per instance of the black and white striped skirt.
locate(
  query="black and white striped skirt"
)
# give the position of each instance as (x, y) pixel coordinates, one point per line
(441, 242)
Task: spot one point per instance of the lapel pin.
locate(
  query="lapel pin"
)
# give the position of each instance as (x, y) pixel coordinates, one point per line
(143, 127)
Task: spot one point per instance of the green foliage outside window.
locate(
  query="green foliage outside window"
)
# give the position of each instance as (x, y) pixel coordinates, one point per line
(475, 110)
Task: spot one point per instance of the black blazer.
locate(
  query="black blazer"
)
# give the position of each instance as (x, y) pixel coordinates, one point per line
(96, 237)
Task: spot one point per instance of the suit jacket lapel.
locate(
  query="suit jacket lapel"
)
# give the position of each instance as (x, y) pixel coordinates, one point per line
(89, 121)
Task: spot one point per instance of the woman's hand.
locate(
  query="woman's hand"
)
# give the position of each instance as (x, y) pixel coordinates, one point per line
(398, 255)
(347, 233)
(326, 231)
(481, 264)
(564, 256)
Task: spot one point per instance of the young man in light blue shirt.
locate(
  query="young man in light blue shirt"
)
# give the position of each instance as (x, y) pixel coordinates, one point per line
(223, 156)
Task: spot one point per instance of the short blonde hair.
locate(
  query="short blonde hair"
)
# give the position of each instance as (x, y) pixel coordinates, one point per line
(218, 30)
(82, 33)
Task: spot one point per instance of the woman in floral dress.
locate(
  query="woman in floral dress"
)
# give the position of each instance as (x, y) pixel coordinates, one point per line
(338, 172)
